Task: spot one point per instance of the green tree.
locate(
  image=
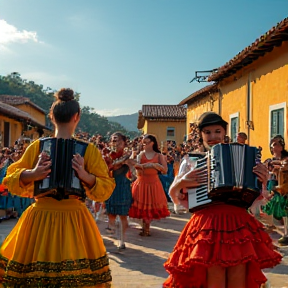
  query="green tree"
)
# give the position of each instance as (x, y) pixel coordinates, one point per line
(90, 122)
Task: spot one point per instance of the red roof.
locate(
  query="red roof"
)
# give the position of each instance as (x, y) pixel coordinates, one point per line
(164, 112)
(273, 38)
(19, 100)
(19, 115)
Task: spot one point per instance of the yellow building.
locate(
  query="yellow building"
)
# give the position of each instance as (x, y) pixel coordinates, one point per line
(252, 90)
(19, 117)
(166, 122)
(203, 100)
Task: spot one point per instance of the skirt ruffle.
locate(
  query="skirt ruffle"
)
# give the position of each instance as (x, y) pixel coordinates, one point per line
(277, 206)
(55, 244)
(149, 199)
(222, 235)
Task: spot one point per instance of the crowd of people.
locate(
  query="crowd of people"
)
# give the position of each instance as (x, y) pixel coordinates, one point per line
(11, 206)
(222, 245)
(172, 152)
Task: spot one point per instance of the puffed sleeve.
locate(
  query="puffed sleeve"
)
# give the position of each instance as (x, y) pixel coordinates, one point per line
(95, 164)
(12, 178)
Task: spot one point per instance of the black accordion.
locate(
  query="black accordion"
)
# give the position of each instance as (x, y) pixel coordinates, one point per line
(230, 177)
(62, 181)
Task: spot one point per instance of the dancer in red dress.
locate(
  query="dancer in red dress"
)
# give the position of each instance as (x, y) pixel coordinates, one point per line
(222, 246)
(149, 199)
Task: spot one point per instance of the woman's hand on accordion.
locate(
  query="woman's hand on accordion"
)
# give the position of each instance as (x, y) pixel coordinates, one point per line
(78, 166)
(43, 167)
(191, 179)
(39, 172)
(194, 178)
(83, 175)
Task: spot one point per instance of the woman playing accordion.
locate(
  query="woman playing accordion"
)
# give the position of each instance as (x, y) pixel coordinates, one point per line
(222, 245)
(56, 242)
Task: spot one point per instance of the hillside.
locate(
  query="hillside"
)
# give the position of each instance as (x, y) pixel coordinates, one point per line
(129, 122)
(91, 123)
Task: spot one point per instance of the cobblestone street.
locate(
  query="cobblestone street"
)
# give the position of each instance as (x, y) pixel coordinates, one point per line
(141, 263)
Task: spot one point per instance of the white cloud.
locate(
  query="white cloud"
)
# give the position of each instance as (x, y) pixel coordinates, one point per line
(10, 34)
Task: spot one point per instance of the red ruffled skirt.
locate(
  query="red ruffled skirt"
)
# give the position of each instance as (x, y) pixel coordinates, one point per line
(222, 235)
(149, 199)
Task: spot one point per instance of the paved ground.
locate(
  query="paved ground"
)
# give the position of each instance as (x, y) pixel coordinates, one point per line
(141, 263)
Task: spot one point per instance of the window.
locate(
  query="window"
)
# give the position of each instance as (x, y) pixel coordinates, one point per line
(234, 126)
(277, 122)
(170, 131)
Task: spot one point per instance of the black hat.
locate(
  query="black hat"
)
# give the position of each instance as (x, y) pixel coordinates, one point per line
(211, 118)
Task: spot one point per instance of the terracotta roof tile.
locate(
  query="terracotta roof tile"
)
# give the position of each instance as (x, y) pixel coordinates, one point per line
(264, 44)
(17, 114)
(202, 92)
(164, 111)
(19, 100)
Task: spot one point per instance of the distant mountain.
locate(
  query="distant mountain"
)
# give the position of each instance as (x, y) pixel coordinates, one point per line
(129, 122)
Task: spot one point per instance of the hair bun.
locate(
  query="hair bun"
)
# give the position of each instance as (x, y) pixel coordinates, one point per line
(65, 94)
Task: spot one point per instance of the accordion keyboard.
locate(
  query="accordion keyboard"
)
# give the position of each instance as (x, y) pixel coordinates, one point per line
(199, 196)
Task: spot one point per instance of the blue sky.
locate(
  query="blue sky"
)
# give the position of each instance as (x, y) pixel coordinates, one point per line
(121, 54)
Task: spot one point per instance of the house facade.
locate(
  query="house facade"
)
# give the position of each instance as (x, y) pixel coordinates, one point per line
(166, 122)
(20, 117)
(250, 91)
(203, 100)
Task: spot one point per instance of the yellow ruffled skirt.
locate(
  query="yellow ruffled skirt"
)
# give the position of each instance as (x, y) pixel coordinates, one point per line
(54, 244)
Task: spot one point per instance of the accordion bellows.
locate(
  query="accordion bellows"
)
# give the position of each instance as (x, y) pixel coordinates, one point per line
(62, 181)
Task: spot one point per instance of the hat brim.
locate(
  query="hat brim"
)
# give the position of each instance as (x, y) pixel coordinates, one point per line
(214, 122)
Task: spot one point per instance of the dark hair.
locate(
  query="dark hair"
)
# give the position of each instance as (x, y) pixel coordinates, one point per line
(153, 139)
(65, 106)
(100, 146)
(119, 135)
(280, 139)
(242, 135)
(40, 131)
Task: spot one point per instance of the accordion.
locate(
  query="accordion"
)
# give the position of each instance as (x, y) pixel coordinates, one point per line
(62, 181)
(230, 177)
